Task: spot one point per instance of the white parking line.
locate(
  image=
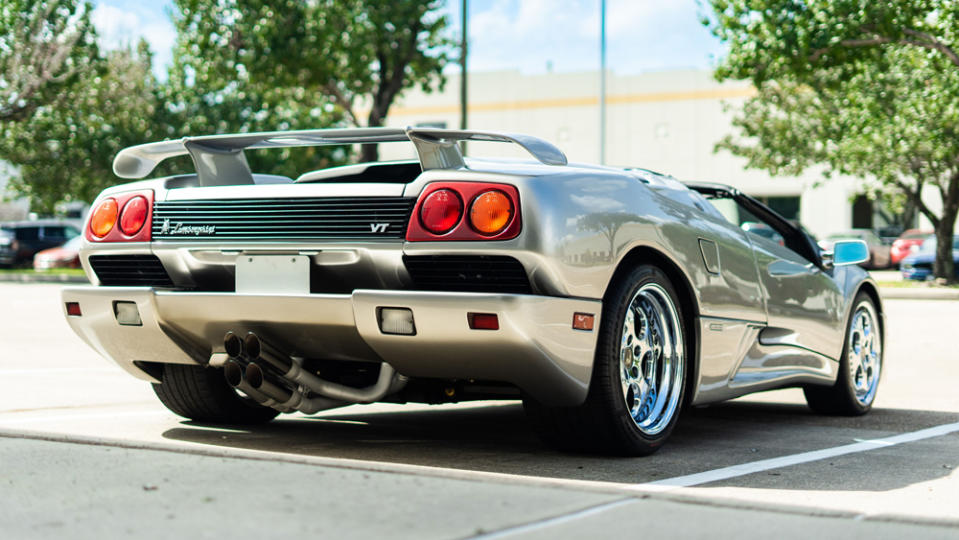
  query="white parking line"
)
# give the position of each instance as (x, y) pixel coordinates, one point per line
(795, 459)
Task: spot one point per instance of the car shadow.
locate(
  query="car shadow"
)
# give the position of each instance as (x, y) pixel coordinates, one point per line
(498, 438)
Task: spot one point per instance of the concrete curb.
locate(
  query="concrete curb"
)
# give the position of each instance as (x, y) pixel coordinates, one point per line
(42, 278)
(918, 293)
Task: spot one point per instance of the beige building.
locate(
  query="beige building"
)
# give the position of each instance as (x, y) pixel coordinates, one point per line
(665, 121)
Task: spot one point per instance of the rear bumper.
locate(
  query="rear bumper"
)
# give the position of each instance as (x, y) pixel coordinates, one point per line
(535, 347)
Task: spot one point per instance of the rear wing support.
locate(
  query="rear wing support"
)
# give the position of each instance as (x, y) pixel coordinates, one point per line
(219, 159)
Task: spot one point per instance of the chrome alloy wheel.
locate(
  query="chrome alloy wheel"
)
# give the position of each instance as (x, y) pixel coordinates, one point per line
(652, 359)
(865, 353)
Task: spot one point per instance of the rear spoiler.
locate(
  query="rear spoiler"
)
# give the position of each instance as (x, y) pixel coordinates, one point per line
(219, 159)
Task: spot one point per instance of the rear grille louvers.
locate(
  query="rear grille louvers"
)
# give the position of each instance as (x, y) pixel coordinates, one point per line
(130, 271)
(468, 273)
(315, 218)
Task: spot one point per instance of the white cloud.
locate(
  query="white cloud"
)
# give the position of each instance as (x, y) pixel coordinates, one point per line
(564, 34)
(124, 25)
(117, 27)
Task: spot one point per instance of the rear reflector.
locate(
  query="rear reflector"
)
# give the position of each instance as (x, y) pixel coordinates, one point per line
(483, 321)
(127, 313)
(396, 321)
(583, 321)
(73, 309)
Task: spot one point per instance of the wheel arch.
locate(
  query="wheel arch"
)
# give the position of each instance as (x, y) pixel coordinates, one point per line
(872, 291)
(687, 300)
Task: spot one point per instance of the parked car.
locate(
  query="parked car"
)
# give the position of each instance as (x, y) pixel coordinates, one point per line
(888, 234)
(33, 236)
(907, 243)
(65, 256)
(8, 247)
(918, 266)
(878, 252)
(607, 299)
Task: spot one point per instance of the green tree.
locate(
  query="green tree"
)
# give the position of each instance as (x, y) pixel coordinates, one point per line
(345, 54)
(65, 151)
(45, 47)
(860, 87)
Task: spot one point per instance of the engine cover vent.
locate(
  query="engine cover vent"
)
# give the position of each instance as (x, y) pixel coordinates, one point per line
(295, 219)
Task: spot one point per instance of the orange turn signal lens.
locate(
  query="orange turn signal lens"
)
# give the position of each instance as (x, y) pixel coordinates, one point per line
(491, 212)
(104, 218)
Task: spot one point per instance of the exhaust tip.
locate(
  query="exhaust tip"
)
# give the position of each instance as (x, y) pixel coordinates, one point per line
(252, 345)
(254, 375)
(233, 345)
(233, 373)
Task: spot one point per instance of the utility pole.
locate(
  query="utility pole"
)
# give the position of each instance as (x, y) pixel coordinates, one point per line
(463, 51)
(602, 82)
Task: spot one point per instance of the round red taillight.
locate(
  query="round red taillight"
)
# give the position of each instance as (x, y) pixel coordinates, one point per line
(104, 218)
(134, 215)
(441, 211)
(490, 212)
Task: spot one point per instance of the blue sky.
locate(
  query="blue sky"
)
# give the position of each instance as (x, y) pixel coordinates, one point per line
(533, 36)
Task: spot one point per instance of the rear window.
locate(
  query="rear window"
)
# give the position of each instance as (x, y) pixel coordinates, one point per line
(28, 233)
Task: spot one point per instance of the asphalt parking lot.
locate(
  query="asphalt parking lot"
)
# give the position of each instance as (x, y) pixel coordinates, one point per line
(79, 435)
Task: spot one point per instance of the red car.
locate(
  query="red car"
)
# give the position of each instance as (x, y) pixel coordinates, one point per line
(65, 256)
(907, 243)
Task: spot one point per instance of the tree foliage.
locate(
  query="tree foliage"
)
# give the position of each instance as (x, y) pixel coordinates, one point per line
(864, 88)
(45, 47)
(330, 54)
(65, 152)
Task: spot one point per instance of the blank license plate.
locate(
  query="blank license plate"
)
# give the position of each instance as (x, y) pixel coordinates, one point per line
(284, 274)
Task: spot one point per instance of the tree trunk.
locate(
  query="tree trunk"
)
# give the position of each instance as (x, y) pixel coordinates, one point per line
(943, 268)
(369, 152)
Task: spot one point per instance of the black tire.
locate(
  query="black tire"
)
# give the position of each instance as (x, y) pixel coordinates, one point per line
(843, 398)
(201, 393)
(604, 423)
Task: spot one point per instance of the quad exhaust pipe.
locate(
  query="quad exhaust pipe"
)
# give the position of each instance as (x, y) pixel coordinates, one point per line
(293, 371)
(236, 377)
(260, 384)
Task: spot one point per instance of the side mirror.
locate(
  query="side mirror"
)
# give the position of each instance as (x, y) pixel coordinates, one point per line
(845, 253)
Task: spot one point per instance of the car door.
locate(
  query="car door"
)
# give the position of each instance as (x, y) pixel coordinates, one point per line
(804, 303)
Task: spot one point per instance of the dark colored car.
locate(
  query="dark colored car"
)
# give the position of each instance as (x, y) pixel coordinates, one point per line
(907, 244)
(8, 247)
(889, 233)
(879, 256)
(29, 237)
(918, 266)
(65, 256)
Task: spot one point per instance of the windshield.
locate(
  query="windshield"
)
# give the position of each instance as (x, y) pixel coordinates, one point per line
(929, 244)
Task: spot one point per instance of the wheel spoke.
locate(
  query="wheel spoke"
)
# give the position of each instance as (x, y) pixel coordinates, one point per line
(651, 358)
(864, 356)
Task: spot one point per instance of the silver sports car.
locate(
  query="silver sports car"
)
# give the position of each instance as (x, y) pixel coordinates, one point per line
(607, 299)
